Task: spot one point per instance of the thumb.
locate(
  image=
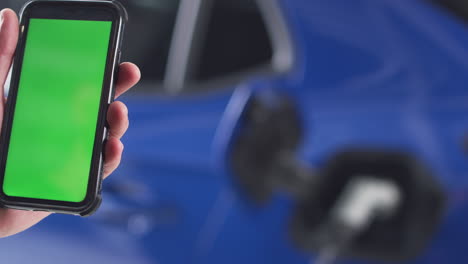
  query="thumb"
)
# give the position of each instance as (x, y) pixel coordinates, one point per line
(9, 28)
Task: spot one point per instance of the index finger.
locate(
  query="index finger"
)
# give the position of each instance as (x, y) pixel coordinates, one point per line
(129, 75)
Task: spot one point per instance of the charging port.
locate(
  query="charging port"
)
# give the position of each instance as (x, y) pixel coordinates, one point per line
(267, 138)
(390, 197)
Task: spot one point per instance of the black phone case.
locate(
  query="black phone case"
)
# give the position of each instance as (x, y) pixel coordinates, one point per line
(94, 198)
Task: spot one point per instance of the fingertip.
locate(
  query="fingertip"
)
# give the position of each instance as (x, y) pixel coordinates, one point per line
(115, 147)
(8, 18)
(117, 117)
(114, 150)
(129, 75)
(122, 108)
(117, 111)
(133, 71)
(7, 13)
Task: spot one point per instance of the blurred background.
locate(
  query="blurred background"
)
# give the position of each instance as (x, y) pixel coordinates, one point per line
(282, 131)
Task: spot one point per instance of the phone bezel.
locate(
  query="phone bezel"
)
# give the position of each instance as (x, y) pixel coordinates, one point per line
(71, 10)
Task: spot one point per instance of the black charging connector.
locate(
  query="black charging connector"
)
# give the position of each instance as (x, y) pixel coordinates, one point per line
(395, 231)
(365, 199)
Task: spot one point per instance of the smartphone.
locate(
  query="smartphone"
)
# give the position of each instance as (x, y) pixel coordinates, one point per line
(62, 83)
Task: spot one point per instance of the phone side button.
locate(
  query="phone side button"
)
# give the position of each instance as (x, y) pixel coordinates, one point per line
(119, 57)
(100, 175)
(101, 178)
(105, 134)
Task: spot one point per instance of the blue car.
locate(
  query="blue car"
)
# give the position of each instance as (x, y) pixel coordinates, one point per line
(253, 116)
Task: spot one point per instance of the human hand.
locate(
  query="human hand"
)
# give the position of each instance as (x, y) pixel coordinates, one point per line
(15, 221)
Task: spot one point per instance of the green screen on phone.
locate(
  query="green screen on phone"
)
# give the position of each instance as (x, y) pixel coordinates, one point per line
(57, 109)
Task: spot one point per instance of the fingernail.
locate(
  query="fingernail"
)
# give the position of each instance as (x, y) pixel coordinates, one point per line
(1, 16)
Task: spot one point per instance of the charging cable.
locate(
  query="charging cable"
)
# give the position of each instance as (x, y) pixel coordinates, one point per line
(364, 200)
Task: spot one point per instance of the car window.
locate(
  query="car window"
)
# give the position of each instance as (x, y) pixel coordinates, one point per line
(148, 35)
(236, 40)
